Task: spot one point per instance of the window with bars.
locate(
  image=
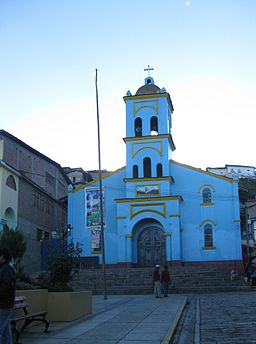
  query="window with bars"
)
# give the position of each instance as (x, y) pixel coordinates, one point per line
(207, 195)
(208, 235)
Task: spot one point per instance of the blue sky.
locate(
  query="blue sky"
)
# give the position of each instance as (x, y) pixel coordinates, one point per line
(203, 52)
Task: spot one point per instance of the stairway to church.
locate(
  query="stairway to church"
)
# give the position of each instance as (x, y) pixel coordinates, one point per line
(184, 279)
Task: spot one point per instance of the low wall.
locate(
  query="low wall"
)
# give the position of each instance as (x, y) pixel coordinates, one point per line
(61, 306)
(69, 306)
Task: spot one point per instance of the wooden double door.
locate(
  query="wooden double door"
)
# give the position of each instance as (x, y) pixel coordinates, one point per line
(151, 247)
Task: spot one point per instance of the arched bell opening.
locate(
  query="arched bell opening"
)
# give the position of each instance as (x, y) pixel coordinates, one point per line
(138, 127)
(154, 125)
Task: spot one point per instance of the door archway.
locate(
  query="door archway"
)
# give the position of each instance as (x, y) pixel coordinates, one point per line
(151, 246)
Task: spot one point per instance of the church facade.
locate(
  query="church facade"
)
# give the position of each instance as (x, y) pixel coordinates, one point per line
(157, 210)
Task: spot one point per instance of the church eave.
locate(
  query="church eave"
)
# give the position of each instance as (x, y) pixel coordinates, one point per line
(145, 199)
(151, 137)
(96, 181)
(136, 180)
(153, 95)
(230, 180)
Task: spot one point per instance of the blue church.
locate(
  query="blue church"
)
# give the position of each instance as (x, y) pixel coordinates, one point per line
(157, 210)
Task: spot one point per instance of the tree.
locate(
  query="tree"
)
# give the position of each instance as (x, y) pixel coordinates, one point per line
(61, 266)
(13, 241)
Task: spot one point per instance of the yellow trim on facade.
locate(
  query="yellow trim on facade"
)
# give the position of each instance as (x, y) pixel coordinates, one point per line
(237, 221)
(96, 252)
(133, 206)
(121, 217)
(128, 236)
(96, 180)
(209, 248)
(207, 185)
(206, 204)
(151, 137)
(165, 198)
(205, 172)
(167, 234)
(208, 221)
(152, 179)
(155, 108)
(174, 215)
(146, 96)
(158, 150)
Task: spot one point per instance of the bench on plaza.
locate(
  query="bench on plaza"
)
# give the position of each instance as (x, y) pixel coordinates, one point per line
(27, 317)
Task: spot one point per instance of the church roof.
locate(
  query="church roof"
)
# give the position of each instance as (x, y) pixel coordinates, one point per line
(148, 88)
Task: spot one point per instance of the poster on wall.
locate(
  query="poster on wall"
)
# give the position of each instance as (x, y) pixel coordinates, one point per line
(92, 201)
(148, 190)
(95, 238)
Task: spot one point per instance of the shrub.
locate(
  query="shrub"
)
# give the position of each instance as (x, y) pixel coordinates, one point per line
(13, 241)
(61, 267)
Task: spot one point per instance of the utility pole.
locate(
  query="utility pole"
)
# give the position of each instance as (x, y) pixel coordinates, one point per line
(247, 235)
(101, 202)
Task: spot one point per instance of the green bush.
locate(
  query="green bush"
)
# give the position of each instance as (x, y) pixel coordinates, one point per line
(61, 267)
(13, 241)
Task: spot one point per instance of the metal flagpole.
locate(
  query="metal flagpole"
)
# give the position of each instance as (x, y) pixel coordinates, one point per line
(101, 203)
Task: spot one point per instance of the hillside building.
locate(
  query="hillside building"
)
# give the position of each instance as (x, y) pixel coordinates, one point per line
(33, 196)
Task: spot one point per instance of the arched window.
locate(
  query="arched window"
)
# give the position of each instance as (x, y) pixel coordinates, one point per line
(147, 167)
(135, 171)
(11, 182)
(207, 195)
(208, 237)
(153, 125)
(159, 170)
(138, 127)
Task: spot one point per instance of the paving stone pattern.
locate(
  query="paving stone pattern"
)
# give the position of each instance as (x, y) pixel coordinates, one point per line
(141, 319)
(228, 318)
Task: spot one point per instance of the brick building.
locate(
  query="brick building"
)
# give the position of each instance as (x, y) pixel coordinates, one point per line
(33, 191)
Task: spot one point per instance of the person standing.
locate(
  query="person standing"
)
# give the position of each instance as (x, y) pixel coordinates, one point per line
(7, 296)
(157, 281)
(165, 279)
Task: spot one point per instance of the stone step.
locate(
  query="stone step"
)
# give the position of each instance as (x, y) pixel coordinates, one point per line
(139, 280)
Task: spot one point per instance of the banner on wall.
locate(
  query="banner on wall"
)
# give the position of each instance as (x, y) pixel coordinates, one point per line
(92, 201)
(95, 237)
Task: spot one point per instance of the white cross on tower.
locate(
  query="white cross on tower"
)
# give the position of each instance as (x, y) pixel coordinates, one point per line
(148, 70)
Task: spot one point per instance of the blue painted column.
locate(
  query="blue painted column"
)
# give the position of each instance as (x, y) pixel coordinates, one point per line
(128, 248)
(168, 236)
(176, 237)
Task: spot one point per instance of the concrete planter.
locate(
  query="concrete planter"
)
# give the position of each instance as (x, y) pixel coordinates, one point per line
(37, 302)
(37, 299)
(69, 306)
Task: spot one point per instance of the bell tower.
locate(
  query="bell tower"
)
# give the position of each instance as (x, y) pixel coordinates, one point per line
(149, 143)
(148, 214)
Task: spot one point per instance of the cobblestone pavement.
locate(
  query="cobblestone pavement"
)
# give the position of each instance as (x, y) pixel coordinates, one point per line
(222, 318)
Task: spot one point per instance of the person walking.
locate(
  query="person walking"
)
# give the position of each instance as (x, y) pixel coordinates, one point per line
(165, 279)
(7, 296)
(157, 281)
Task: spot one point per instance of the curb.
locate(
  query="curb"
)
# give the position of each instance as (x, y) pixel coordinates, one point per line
(170, 332)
